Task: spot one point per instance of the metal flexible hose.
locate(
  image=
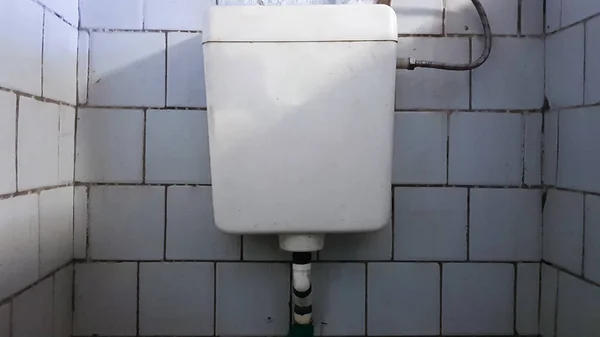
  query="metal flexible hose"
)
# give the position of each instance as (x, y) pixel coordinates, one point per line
(487, 31)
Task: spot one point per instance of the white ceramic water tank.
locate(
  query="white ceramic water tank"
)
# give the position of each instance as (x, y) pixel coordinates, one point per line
(300, 111)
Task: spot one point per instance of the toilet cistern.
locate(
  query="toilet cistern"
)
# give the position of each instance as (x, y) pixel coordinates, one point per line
(300, 119)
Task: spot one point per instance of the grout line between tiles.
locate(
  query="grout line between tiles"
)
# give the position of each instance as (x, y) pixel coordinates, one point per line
(40, 280)
(37, 97)
(514, 308)
(523, 145)
(556, 172)
(564, 270)
(166, 67)
(215, 285)
(469, 225)
(366, 305)
(137, 305)
(448, 115)
(589, 18)
(441, 311)
(144, 136)
(165, 224)
(42, 56)
(556, 299)
(39, 237)
(32, 191)
(16, 143)
(525, 187)
(512, 111)
(60, 16)
(470, 74)
(583, 238)
(88, 71)
(585, 32)
(539, 294)
(314, 261)
(393, 224)
(87, 223)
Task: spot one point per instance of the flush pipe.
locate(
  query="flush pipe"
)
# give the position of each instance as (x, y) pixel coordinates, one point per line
(301, 247)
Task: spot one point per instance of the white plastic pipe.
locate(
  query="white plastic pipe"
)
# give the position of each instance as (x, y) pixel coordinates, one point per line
(302, 298)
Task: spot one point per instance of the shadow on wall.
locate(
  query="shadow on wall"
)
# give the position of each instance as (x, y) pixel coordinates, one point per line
(142, 70)
(40, 228)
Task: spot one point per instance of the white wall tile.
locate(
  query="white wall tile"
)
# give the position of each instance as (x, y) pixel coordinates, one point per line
(176, 299)
(528, 285)
(185, 70)
(563, 229)
(19, 243)
(505, 225)
(191, 230)
(38, 145)
(63, 302)
(462, 18)
(418, 16)
(592, 62)
(477, 299)
(66, 144)
(513, 76)
(175, 14)
(127, 69)
(83, 49)
(111, 14)
(485, 148)
(56, 228)
(430, 223)
(21, 24)
(548, 288)
(533, 149)
(430, 88)
(420, 140)
(269, 282)
(127, 222)
(579, 154)
(105, 299)
(5, 319)
(338, 299)
(32, 311)
(60, 60)
(408, 306)
(263, 248)
(373, 246)
(591, 265)
(550, 147)
(67, 9)
(293, 2)
(8, 133)
(80, 222)
(578, 307)
(553, 8)
(532, 17)
(564, 67)
(177, 147)
(574, 11)
(109, 145)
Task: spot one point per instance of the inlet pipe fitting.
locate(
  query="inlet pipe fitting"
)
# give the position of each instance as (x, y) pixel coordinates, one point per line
(301, 242)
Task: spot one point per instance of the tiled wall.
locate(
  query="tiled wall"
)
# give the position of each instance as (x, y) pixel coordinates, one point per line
(570, 284)
(38, 51)
(461, 256)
